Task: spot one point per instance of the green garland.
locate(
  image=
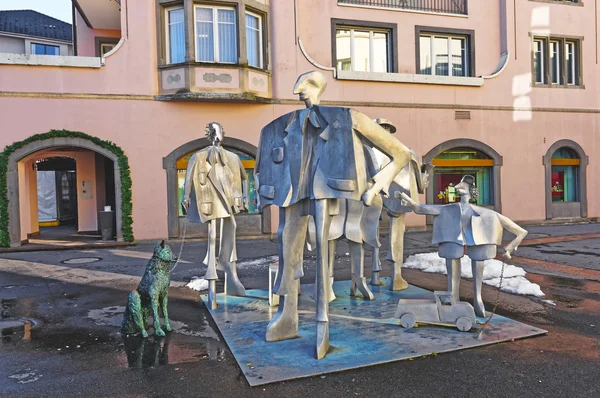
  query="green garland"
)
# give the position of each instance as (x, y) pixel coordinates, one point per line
(126, 205)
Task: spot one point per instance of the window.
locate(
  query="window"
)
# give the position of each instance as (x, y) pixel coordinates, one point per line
(539, 55)
(216, 34)
(254, 39)
(452, 165)
(565, 172)
(363, 50)
(44, 49)
(104, 45)
(175, 35)
(444, 55)
(556, 60)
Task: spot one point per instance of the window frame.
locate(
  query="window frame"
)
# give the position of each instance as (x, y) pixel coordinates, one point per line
(216, 38)
(563, 43)
(390, 28)
(468, 35)
(31, 44)
(577, 3)
(260, 38)
(167, 34)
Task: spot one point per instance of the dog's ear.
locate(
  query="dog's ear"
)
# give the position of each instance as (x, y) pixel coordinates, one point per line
(162, 244)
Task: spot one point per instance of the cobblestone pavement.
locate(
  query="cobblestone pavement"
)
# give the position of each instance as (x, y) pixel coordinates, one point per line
(77, 297)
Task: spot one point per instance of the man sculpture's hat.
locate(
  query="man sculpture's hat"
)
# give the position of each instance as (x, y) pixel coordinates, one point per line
(386, 123)
(469, 180)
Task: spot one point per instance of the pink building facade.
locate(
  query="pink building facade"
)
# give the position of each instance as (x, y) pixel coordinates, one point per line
(505, 90)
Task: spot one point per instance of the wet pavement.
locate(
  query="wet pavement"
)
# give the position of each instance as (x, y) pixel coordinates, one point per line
(74, 347)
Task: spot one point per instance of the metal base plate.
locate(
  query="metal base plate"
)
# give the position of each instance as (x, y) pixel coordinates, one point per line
(362, 333)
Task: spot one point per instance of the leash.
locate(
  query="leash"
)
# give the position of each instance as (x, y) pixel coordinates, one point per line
(484, 324)
(181, 246)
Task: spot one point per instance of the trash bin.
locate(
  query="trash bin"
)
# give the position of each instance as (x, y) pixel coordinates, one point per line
(107, 227)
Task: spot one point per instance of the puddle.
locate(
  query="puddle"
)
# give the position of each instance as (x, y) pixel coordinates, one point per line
(153, 352)
(6, 306)
(113, 316)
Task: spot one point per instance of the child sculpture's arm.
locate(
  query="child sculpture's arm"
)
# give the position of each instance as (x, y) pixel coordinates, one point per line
(430, 210)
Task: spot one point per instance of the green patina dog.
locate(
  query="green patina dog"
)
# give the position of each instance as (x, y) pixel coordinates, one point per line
(151, 295)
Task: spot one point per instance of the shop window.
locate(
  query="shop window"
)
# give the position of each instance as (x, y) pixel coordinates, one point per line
(452, 165)
(247, 160)
(565, 175)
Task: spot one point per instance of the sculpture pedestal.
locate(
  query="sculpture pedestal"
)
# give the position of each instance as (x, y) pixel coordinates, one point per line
(361, 333)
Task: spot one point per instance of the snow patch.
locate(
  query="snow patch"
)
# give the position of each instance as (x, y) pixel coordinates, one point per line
(27, 376)
(258, 262)
(198, 284)
(514, 277)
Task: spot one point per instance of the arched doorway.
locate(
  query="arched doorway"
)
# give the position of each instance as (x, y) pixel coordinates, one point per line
(98, 182)
(251, 223)
(565, 188)
(455, 158)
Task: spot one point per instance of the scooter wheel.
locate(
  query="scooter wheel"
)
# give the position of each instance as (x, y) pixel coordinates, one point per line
(464, 324)
(408, 321)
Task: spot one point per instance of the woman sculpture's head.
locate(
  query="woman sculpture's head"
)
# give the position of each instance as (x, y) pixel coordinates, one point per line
(214, 132)
(467, 187)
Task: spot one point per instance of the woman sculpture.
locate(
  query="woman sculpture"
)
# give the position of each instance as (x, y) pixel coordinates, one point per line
(462, 224)
(216, 188)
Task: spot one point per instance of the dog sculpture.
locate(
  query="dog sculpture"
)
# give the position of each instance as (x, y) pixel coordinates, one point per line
(151, 295)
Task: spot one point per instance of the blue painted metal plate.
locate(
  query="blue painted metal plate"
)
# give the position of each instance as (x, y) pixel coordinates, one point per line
(362, 333)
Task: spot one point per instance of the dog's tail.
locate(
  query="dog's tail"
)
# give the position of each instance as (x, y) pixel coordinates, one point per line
(133, 313)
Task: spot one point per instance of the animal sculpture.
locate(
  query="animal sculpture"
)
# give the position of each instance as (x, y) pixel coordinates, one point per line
(151, 295)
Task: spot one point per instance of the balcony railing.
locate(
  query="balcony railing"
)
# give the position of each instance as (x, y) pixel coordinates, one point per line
(440, 6)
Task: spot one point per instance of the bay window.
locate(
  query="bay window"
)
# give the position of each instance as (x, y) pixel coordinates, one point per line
(254, 39)
(216, 34)
(227, 33)
(175, 35)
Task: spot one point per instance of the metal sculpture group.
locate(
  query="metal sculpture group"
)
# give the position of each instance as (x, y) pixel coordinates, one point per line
(332, 171)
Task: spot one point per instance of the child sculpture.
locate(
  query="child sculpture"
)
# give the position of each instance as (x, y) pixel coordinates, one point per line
(462, 224)
(216, 188)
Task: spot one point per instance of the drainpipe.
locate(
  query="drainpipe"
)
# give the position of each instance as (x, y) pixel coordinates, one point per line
(74, 28)
(504, 53)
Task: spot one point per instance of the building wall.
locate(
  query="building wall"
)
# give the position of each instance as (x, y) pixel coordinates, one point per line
(86, 37)
(12, 45)
(520, 122)
(86, 192)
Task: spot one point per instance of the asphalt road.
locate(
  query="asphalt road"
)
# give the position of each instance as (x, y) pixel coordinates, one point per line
(77, 349)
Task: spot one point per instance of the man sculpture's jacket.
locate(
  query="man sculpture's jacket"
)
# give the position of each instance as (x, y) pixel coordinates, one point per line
(215, 190)
(341, 171)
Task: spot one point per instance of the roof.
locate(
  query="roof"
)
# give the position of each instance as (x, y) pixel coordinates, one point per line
(33, 23)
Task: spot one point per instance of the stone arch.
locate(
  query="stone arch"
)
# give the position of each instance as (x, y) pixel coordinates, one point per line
(480, 146)
(170, 165)
(14, 224)
(554, 210)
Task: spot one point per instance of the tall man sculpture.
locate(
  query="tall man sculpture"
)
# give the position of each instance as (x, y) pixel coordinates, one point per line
(412, 180)
(308, 159)
(216, 188)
